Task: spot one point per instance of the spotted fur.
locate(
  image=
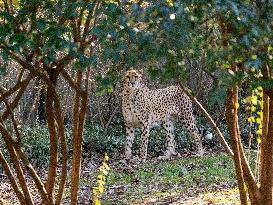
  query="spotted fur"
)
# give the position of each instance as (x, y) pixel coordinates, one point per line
(143, 108)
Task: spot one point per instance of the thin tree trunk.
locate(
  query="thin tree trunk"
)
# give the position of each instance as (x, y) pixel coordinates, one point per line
(11, 178)
(231, 115)
(16, 147)
(80, 108)
(9, 145)
(61, 132)
(266, 159)
(16, 87)
(53, 160)
(40, 186)
(12, 146)
(264, 132)
(111, 117)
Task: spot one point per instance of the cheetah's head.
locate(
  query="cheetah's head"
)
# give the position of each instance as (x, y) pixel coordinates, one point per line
(133, 79)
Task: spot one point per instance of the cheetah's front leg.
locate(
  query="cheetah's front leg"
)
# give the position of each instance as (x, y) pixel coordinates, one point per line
(130, 135)
(144, 142)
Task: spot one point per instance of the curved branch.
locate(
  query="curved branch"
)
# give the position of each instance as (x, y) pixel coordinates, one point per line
(17, 86)
(71, 82)
(209, 119)
(11, 178)
(19, 95)
(14, 158)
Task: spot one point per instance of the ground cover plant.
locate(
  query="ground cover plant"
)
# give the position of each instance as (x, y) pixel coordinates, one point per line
(158, 182)
(184, 180)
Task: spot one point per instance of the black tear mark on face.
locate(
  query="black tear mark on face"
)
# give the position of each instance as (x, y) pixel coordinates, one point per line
(133, 78)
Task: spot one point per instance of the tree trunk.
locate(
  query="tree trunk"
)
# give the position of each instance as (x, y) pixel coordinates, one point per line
(231, 115)
(266, 160)
(79, 112)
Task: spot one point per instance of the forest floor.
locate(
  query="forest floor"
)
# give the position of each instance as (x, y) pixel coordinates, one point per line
(185, 180)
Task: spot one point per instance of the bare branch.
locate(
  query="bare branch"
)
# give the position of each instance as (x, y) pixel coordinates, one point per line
(11, 178)
(17, 86)
(14, 158)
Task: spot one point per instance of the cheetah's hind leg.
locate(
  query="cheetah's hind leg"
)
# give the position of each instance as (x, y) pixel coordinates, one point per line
(169, 129)
(189, 124)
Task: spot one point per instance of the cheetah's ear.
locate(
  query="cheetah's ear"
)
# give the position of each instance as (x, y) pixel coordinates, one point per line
(140, 71)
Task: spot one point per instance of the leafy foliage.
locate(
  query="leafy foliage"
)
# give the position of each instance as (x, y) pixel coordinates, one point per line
(129, 33)
(223, 33)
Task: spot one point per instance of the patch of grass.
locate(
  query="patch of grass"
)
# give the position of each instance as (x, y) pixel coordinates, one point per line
(121, 178)
(159, 179)
(145, 176)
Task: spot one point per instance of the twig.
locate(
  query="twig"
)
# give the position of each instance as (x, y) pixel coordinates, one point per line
(111, 117)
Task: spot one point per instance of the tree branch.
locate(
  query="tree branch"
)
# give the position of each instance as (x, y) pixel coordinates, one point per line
(11, 178)
(209, 119)
(10, 147)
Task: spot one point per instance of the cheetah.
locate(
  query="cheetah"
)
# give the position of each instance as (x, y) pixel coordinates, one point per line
(144, 108)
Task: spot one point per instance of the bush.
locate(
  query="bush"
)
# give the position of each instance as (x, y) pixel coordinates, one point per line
(36, 141)
(36, 144)
(101, 140)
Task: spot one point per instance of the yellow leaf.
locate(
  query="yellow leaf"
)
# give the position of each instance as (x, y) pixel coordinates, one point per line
(252, 69)
(253, 108)
(226, 66)
(269, 48)
(105, 166)
(259, 121)
(259, 140)
(169, 3)
(237, 105)
(254, 57)
(106, 158)
(251, 119)
(96, 191)
(97, 202)
(259, 132)
(239, 60)
(262, 116)
(101, 189)
(254, 100)
(245, 187)
(260, 94)
(260, 88)
(100, 177)
(16, 3)
(105, 172)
